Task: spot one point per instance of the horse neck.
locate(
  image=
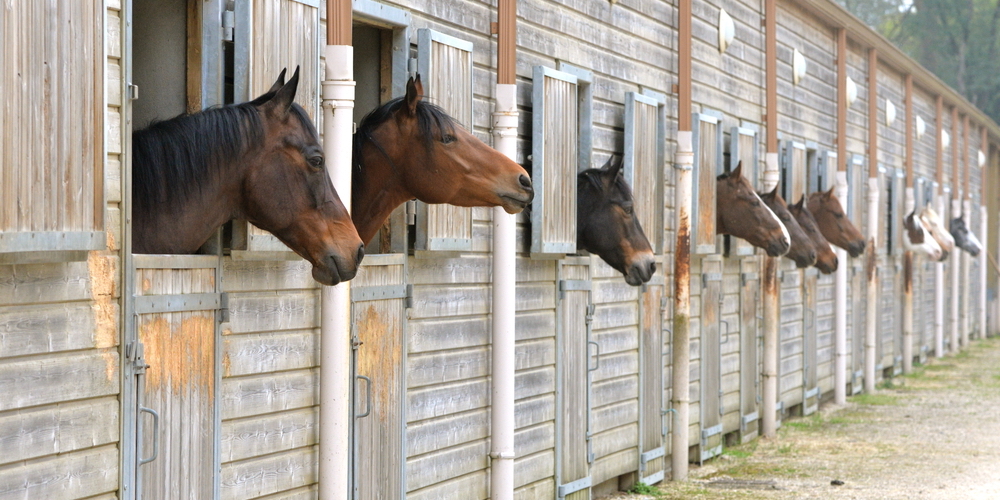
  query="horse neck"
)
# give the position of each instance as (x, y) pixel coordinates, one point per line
(376, 190)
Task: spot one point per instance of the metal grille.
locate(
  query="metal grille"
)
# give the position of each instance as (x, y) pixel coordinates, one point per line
(445, 66)
(644, 163)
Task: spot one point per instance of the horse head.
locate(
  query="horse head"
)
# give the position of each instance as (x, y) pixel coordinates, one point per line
(740, 212)
(826, 259)
(965, 239)
(933, 223)
(829, 214)
(607, 226)
(802, 250)
(917, 238)
(409, 148)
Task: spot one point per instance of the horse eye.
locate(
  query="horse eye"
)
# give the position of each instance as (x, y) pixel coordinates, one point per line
(316, 161)
(627, 209)
(448, 139)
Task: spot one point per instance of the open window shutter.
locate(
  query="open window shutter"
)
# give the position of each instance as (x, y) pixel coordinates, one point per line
(885, 176)
(793, 171)
(554, 146)
(707, 138)
(263, 48)
(445, 66)
(898, 187)
(822, 176)
(857, 175)
(644, 163)
(743, 147)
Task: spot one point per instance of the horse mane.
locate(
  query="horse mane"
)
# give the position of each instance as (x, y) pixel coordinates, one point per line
(430, 118)
(173, 159)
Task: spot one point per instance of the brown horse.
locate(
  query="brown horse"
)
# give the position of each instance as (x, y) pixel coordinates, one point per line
(409, 148)
(260, 161)
(933, 223)
(607, 226)
(834, 224)
(802, 251)
(740, 212)
(826, 259)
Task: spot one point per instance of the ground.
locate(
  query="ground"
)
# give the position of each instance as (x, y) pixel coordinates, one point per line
(934, 434)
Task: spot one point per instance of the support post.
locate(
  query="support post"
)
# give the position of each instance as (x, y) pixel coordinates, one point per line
(939, 206)
(908, 204)
(335, 412)
(956, 208)
(769, 276)
(871, 264)
(840, 278)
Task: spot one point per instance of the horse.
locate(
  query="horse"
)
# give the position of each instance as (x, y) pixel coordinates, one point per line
(740, 212)
(606, 224)
(825, 207)
(826, 259)
(933, 223)
(802, 251)
(917, 238)
(409, 148)
(260, 161)
(965, 239)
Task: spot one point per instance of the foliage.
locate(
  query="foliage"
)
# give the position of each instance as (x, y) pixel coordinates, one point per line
(642, 488)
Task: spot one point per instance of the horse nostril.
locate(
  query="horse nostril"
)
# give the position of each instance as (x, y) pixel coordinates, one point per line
(652, 268)
(525, 181)
(361, 253)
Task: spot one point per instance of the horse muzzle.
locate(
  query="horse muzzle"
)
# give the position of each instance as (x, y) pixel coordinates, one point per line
(778, 248)
(515, 202)
(334, 268)
(856, 248)
(641, 270)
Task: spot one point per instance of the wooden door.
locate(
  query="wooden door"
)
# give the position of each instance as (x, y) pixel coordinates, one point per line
(177, 301)
(573, 369)
(810, 358)
(652, 453)
(749, 360)
(711, 360)
(379, 298)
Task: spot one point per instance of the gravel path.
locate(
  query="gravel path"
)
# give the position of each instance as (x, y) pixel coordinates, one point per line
(934, 434)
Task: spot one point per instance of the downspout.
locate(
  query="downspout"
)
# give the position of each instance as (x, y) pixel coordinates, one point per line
(939, 206)
(956, 208)
(983, 228)
(840, 278)
(681, 343)
(769, 277)
(908, 204)
(871, 266)
(504, 277)
(967, 213)
(335, 412)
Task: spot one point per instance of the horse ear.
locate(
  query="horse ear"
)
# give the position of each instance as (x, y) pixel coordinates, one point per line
(607, 164)
(285, 95)
(280, 82)
(829, 193)
(615, 168)
(801, 202)
(414, 92)
(739, 170)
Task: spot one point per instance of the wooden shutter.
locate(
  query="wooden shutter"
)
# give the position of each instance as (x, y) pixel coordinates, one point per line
(644, 163)
(554, 152)
(445, 66)
(52, 120)
(857, 175)
(896, 219)
(272, 35)
(707, 145)
(793, 171)
(574, 312)
(823, 175)
(743, 146)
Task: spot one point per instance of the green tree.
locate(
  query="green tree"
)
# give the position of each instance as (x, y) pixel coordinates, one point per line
(874, 12)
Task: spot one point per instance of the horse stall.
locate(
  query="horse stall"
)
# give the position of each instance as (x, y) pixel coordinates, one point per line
(197, 375)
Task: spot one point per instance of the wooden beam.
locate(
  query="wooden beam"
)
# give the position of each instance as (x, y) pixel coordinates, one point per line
(908, 160)
(965, 156)
(684, 65)
(339, 17)
(842, 99)
(771, 69)
(506, 41)
(939, 163)
(872, 113)
(955, 146)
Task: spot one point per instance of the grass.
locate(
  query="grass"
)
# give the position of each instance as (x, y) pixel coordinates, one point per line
(874, 399)
(642, 488)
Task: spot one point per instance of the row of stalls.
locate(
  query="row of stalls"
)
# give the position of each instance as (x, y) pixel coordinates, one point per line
(137, 376)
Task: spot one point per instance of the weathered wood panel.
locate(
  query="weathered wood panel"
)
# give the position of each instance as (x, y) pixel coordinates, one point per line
(261, 435)
(268, 474)
(64, 477)
(554, 161)
(60, 429)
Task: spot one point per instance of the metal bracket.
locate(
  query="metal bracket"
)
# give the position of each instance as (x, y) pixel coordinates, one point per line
(383, 292)
(706, 277)
(573, 286)
(573, 486)
(223, 313)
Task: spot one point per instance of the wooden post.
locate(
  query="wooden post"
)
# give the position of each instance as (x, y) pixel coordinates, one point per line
(871, 266)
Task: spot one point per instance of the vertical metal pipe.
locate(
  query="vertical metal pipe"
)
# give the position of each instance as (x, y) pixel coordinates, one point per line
(840, 278)
(680, 346)
(966, 256)
(939, 206)
(504, 264)
(871, 266)
(769, 278)
(983, 234)
(956, 208)
(908, 203)
(335, 413)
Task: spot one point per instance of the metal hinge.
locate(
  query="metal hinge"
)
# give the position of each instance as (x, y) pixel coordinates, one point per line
(223, 312)
(228, 21)
(133, 91)
(409, 296)
(134, 354)
(590, 313)
(411, 212)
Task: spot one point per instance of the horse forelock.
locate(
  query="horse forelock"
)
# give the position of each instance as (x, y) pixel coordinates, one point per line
(173, 159)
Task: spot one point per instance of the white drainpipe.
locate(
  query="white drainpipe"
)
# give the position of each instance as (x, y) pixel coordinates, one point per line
(840, 310)
(939, 294)
(504, 252)
(956, 271)
(335, 411)
(966, 278)
(984, 261)
(871, 270)
(681, 345)
(769, 281)
(908, 274)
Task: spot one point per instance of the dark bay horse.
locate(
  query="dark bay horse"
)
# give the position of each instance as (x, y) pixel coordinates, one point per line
(917, 238)
(826, 259)
(965, 239)
(802, 251)
(740, 212)
(825, 207)
(409, 148)
(260, 161)
(607, 226)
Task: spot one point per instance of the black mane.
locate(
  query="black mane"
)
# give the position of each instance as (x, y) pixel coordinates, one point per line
(430, 118)
(173, 159)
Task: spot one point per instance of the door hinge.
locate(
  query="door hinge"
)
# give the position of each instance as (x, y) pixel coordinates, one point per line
(411, 212)
(223, 312)
(409, 296)
(133, 92)
(228, 21)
